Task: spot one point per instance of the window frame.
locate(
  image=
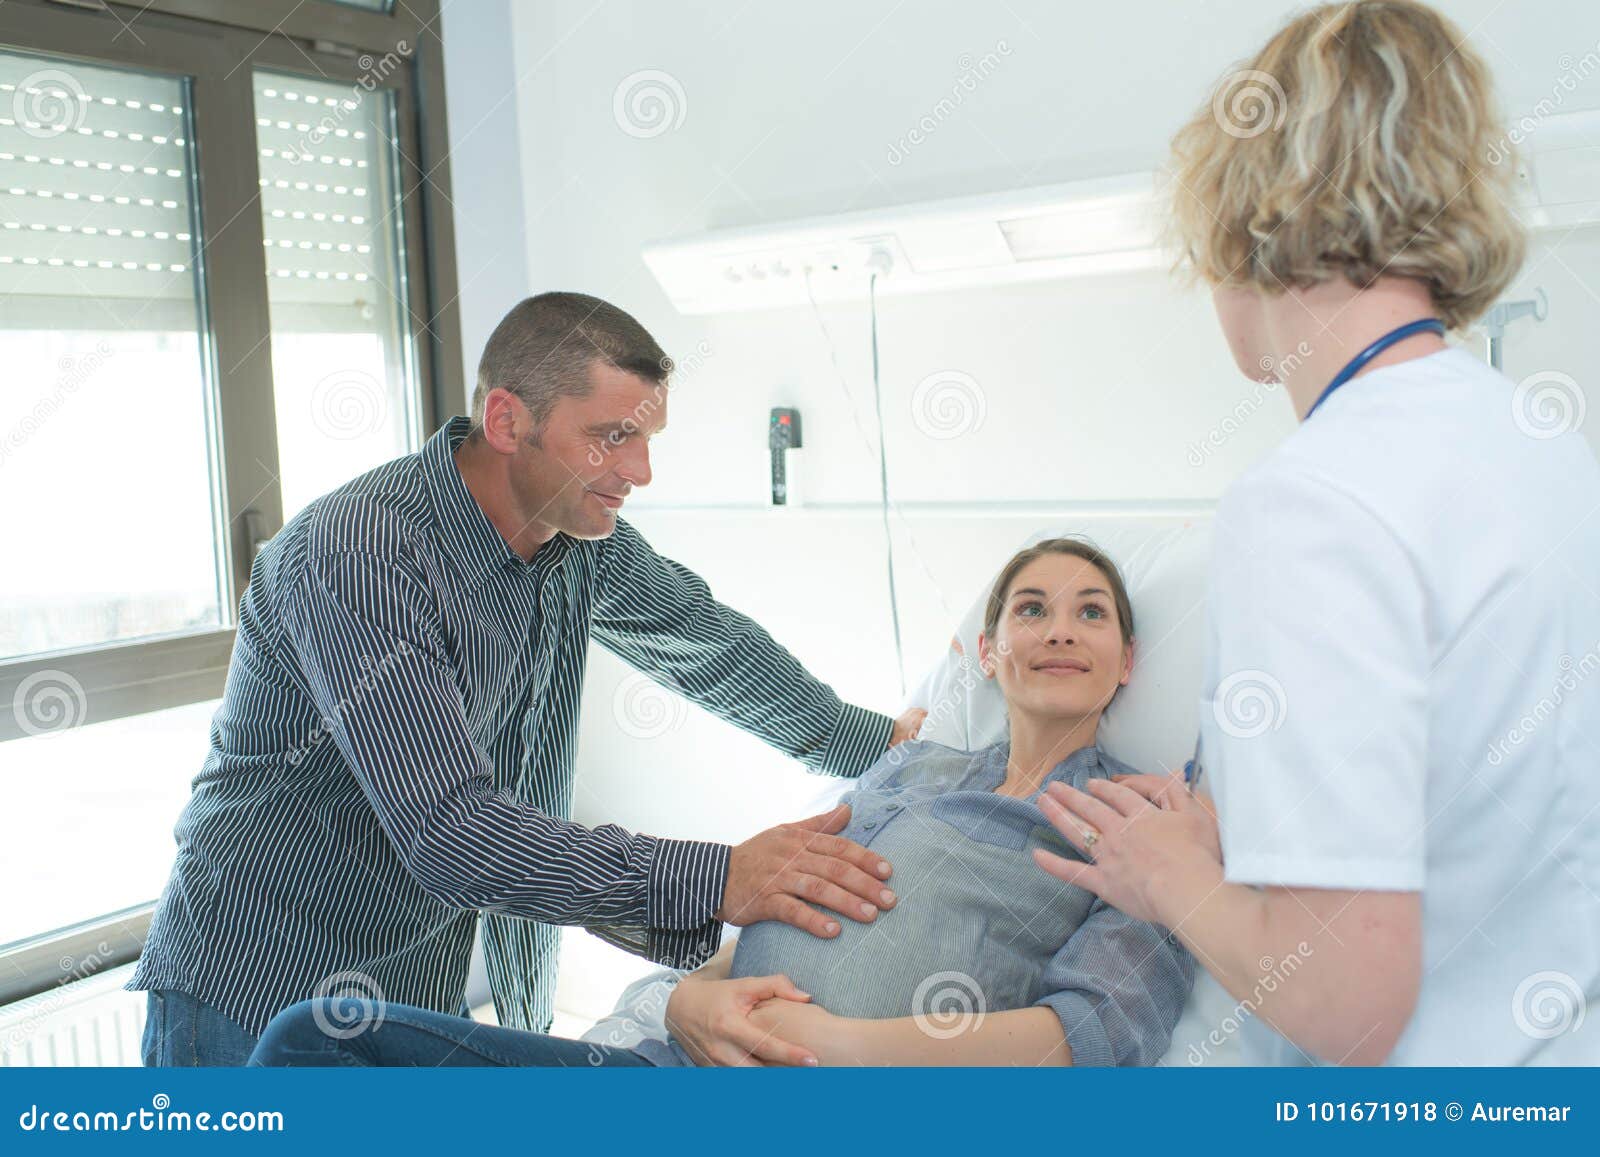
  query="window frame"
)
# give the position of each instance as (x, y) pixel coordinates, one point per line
(216, 45)
(73, 953)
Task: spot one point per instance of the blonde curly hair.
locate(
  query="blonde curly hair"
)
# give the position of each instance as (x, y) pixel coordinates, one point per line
(1355, 144)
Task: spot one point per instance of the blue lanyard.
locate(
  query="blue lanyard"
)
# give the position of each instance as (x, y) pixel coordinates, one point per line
(1426, 325)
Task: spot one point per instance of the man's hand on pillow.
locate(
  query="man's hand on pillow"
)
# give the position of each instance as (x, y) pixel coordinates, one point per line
(907, 726)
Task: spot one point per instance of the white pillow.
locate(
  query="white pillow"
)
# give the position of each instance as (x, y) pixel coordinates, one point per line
(1151, 724)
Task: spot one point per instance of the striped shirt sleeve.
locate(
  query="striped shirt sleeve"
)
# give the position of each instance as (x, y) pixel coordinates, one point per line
(661, 618)
(367, 640)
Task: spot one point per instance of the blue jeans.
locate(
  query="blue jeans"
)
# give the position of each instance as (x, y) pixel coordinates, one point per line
(182, 1032)
(331, 1031)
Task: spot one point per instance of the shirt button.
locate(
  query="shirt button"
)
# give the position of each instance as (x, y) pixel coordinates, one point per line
(894, 807)
(870, 824)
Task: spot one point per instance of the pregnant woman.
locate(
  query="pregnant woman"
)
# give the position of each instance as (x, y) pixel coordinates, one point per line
(983, 960)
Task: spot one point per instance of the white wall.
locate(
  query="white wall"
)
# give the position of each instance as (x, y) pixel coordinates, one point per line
(1093, 391)
(480, 61)
(795, 110)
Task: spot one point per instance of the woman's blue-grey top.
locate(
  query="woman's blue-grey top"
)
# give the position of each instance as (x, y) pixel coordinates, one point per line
(978, 927)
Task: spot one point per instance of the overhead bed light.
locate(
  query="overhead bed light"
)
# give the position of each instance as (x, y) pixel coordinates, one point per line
(1079, 229)
(1076, 229)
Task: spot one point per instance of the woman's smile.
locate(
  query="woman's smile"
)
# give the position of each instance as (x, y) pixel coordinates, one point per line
(1062, 666)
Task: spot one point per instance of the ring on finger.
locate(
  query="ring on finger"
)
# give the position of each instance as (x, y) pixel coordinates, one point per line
(1091, 837)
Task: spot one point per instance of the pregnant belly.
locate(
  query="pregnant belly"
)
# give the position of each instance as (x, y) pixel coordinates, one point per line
(885, 969)
(975, 924)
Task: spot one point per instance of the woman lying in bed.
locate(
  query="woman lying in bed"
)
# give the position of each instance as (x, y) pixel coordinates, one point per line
(984, 959)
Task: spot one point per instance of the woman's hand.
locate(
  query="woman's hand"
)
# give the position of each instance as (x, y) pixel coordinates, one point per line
(712, 1020)
(1140, 837)
(815, 1029)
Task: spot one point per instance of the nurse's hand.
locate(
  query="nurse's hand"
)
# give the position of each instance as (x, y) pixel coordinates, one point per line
(711, 1019)
(780, 873)
(1164, 790)
(1136, 846)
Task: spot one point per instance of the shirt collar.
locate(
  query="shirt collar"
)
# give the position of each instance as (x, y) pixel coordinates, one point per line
(469, 538)
(1083, 764)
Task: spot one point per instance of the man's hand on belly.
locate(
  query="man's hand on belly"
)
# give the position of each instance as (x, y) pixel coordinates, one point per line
(780, 873)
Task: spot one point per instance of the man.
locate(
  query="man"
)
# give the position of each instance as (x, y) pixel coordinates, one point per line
(393, 754)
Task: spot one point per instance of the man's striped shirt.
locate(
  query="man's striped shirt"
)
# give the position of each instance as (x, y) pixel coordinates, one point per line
(394, 754)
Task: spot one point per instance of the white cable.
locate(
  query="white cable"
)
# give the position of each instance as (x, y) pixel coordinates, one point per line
(883, 479)
(880, 263)
(838, 370)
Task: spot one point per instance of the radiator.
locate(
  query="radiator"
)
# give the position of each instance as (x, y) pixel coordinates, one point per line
(87, 1022)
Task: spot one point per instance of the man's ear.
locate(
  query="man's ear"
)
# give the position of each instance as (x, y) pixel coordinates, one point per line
(506, 421)
(986, 656)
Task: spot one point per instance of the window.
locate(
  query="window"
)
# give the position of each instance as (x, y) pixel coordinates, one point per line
(215, 304)
(342, 371)
(108, 405)
(85, 799)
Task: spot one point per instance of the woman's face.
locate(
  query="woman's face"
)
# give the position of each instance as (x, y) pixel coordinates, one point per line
(1058, 647)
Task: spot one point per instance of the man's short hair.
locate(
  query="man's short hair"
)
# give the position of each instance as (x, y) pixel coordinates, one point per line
(543, 348)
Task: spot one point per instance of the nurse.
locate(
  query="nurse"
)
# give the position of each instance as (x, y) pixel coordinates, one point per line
(1401, 708)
